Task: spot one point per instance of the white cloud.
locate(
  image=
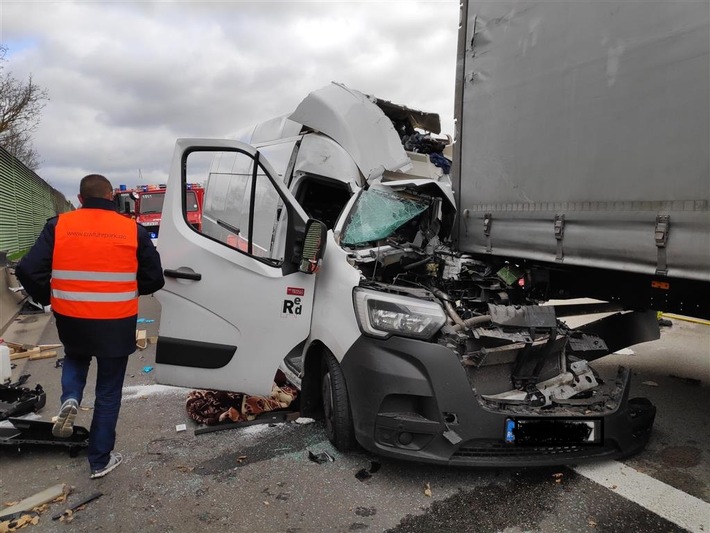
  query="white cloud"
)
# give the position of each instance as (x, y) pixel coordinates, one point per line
(127, 78)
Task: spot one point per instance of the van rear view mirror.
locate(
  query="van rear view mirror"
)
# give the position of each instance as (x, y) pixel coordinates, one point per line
(313, 246)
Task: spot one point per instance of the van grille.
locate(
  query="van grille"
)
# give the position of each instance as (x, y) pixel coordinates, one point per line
(482, 449)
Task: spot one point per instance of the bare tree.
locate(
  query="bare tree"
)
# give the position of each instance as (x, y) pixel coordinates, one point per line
(20, 106)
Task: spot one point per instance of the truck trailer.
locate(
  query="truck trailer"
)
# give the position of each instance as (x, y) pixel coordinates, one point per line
(339, 247)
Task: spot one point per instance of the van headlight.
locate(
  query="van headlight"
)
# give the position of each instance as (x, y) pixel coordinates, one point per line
(382, 315)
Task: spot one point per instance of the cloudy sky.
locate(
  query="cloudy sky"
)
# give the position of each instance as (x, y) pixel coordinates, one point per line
(126, 78)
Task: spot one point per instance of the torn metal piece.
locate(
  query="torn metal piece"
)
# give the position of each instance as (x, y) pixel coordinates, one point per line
(579, 378)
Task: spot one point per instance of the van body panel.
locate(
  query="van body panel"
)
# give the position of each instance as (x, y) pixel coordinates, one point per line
(321, 156)
(217, 294)
(357, 124)
(412, 399)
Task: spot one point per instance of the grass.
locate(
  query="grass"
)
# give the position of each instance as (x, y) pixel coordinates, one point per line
(17, 255)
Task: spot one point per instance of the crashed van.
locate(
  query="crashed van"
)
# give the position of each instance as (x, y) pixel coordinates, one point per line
(325, 251)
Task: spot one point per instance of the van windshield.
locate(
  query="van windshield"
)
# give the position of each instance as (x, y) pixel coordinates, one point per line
(377, 214)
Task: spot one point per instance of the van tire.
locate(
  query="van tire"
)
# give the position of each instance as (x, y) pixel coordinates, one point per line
(336, 406)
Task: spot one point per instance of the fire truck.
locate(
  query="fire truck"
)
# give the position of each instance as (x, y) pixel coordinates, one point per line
(144, 203)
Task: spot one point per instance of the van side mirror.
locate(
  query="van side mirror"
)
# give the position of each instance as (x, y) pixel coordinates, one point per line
(313, 247)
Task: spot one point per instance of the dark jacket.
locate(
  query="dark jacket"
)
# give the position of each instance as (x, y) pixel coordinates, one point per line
(102, 338)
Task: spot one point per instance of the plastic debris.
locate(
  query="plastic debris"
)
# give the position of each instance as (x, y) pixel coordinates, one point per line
(304, 420)
(364, 474)
(147, 369)
(145, 320)
(320, 458)
(181, 427)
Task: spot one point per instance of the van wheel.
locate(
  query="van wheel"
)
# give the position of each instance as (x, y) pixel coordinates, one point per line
(336, 406)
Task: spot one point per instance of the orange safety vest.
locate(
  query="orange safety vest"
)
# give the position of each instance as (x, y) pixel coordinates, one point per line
(94, 265)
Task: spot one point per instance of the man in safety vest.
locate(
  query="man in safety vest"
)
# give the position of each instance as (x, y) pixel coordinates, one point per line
(91, 265)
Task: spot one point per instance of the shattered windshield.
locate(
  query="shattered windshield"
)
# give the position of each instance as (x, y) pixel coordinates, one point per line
(377, 214)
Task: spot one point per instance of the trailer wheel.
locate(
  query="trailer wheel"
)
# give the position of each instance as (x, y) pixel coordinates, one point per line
(336, 406)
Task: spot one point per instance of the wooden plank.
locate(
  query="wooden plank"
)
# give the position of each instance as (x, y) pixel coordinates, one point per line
(43, 355)
(46, 496)
(44, 347)
(14, 346)
(27, 353)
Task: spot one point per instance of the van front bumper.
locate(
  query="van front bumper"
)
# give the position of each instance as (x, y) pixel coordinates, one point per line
(413, 400)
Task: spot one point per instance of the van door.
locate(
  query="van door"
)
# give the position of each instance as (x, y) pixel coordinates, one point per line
(234, 303)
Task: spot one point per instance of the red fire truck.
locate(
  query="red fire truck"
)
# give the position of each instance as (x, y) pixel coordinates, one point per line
(145, 204)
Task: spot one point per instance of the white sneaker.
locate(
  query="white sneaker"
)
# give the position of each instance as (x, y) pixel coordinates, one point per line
(64, 424)
(115, 460)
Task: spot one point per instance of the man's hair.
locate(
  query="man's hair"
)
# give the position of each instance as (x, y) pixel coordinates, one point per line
(95, 186)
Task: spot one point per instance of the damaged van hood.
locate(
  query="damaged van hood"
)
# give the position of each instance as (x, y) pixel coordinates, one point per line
(355, 122)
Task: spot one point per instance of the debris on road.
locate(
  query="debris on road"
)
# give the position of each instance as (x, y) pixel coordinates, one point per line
(687, 381)
(427, 490)
(67, 514)
(141, 339)
(16, 400)
(650, 383)
(26, 431)
(31, 351)
(264, 418)
(364, 474)
(181, 427)
(302, 420)
(320, 458)
(57, 492)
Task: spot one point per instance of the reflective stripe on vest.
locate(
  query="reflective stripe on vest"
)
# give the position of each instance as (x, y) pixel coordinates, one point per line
(95, 296)
(94, 265)
(93, 276)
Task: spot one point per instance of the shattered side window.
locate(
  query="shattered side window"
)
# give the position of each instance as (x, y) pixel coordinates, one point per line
(377, 214)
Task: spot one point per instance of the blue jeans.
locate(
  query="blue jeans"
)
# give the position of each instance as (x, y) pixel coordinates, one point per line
(109, 385)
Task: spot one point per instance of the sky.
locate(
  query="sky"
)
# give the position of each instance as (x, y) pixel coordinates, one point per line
(127, 78)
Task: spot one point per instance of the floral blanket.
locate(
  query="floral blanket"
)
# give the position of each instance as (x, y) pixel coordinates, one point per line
(212, 407)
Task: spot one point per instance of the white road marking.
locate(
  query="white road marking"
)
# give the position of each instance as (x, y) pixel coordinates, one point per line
(667, 502)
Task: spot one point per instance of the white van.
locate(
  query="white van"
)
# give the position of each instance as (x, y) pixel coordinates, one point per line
(324, 251)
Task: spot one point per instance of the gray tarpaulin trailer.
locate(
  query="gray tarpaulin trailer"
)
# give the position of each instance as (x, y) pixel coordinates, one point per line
(583, 146)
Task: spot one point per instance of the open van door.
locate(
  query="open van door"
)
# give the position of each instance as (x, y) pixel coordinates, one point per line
(238, 297)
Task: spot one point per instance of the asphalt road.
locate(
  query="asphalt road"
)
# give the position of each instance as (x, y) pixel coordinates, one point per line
(260, 479)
